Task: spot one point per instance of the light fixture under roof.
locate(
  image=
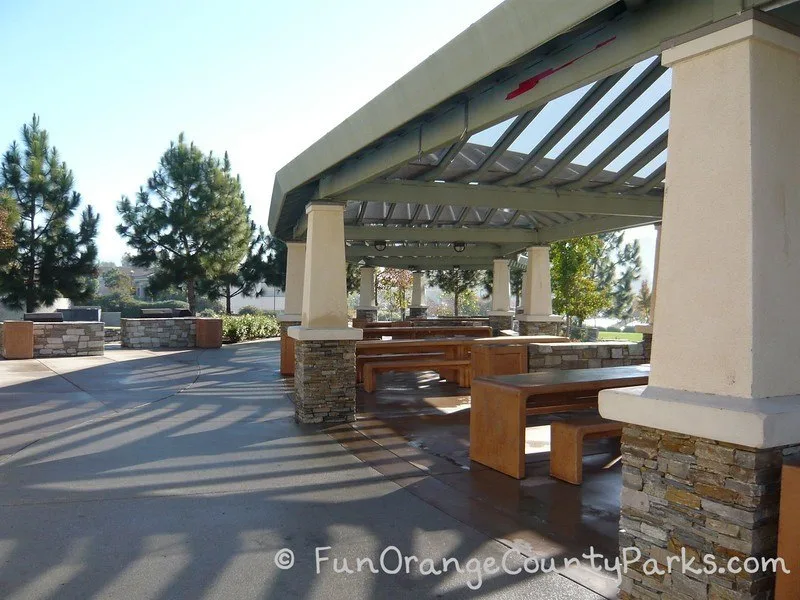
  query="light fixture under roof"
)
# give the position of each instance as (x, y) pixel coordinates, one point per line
(380, 246)
(459, 246)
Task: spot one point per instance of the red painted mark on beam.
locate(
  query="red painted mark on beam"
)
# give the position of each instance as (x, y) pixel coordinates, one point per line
(531, 83)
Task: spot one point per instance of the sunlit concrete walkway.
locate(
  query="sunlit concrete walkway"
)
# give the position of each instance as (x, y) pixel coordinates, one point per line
(181, 474)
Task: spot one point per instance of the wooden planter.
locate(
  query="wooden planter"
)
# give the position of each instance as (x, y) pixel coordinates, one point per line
(17, 339)
(209, 333)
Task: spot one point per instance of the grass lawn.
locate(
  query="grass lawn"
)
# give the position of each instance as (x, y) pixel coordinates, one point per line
(614, 335)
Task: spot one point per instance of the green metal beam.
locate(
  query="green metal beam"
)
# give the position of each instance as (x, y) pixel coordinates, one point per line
(479, 251)
(430, 263)
(494, 196)
(567, 231)
(492, 235)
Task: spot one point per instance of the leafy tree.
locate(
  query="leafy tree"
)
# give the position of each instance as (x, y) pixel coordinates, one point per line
(576, 294)
(47, 259)
(643, 302)
(190, 221)
(119, 283)
(455, 282)
(396, 285)
(247, 278)
(353, 278)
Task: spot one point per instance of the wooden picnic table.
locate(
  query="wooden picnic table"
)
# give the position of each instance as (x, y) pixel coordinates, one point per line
(426, 332)
(500, 405)
(454, 348)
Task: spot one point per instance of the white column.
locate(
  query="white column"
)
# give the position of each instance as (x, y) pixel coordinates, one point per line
(655, 275)
(725, 351)
(501, 287)
(418, 290)
(295, 265)
(367, 299)
(538, 298)
(324, 314)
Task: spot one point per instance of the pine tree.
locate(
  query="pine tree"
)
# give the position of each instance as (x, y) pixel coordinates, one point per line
(190, 221)
(47, 259)
(246, 280)
(9, 217)
(622, 295)
(643, 302)
(456, 282)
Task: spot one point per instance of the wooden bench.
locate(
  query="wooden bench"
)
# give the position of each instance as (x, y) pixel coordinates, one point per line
(501, 404)
(566, 444)
(420, 364)
(371, 358)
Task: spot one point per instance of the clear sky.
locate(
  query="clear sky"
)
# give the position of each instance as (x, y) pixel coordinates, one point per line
(115, 82)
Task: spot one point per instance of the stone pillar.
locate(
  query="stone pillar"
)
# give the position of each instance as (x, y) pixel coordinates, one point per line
(537, 317)
(367, 311)
(706, 438)
(418, 307)
(647, 330)
(501, 316)
(293, 302)
(325, 361)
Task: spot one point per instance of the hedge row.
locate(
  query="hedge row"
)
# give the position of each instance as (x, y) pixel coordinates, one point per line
(238, 328)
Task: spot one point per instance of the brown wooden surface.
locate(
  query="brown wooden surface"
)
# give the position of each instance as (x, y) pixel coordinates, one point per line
(500, 404)
(18, 339)
(434, 344)
(425, 332)
(369, 358)
(499, 359)
(208, 333)
(421, 364)
(371, 324)
(287, 355)
(566, 444)
(787, 586)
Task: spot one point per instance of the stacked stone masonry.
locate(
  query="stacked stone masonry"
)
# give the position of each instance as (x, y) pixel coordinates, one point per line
(176, 332)
(325, 381)
(590, 355)
(500, 322)
(694, 497)
(537, 328)
(418, 311)
(76, 338)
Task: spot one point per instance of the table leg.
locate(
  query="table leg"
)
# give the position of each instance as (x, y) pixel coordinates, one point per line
(497, 428)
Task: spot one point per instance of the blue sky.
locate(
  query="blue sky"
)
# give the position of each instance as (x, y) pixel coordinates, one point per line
(115, 82)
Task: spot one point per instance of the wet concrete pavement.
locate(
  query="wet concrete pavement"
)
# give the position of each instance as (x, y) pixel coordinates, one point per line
(182, 474)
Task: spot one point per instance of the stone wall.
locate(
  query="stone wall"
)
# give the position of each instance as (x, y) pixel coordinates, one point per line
(500, 322)
(175, 332)
(540, 328)
(76, 338)
(705, 497)
(589, 355)
(325, 381)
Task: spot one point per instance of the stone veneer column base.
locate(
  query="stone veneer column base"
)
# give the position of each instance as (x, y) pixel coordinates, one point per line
(702, 497)
(417, 311)
(325, 381)
(500, 322)
(539, 328)
(287, 348)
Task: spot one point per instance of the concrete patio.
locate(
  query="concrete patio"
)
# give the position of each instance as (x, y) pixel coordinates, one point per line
(180, 474)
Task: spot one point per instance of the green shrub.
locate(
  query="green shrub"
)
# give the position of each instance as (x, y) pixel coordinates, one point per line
(238, 328)
(614, 329)
(250, 310)
(629, 329)
(207, 312)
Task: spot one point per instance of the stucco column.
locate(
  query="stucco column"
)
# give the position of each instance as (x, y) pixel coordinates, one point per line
(367, 310)
(537, 316)
(501, 316)
(293, 302)
(702, 454)
(418, 307)
(647, 330)
(325, 345)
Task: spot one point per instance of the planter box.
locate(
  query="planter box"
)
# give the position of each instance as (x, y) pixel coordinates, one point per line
(209, 333)
(17, 339)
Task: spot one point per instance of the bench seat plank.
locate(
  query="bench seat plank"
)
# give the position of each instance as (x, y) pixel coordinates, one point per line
(371, 369)
(566, 445)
